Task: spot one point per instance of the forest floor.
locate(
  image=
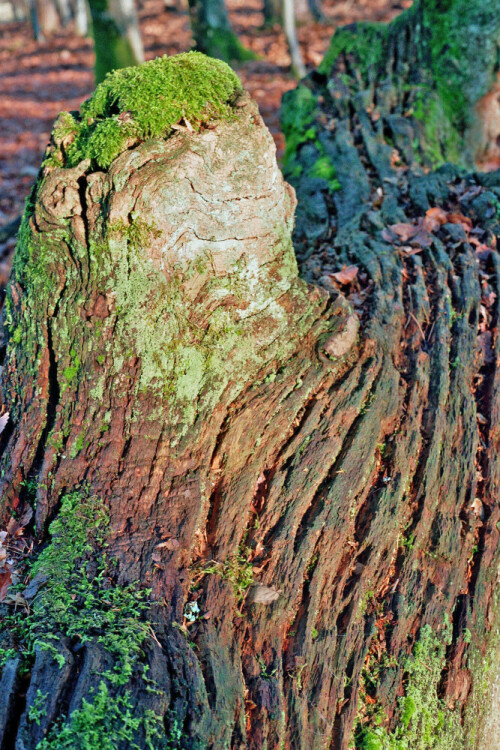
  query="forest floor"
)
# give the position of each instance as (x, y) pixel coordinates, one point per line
(38, 80)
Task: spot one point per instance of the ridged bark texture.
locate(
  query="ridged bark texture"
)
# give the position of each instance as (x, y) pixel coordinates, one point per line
(314, 507)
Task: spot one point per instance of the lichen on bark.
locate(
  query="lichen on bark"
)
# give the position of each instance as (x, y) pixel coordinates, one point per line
(145, 301)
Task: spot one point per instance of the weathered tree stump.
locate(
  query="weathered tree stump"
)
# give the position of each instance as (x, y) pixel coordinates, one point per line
(265, 511)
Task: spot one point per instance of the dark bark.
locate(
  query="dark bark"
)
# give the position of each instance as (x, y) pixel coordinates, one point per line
(272, 12)
(315, 510)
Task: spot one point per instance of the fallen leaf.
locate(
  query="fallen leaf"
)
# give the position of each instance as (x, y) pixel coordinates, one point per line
(346, 275)
(260, 594)
(423, 238)
(3, 421)
(485, 341)
(408, 250)
(460, 219)
(434, 218)
(16, 600)
(388, 236)
(404, 231)
(5, 581)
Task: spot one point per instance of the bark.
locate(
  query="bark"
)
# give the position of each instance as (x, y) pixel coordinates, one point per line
(298, 67)
(272, 12)
(116, 35)
(212, 31)
(81, 18)
(45, 18)
(64, 10)
(306, 479)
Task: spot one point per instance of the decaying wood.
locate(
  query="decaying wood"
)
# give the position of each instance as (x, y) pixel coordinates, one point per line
(342, 446)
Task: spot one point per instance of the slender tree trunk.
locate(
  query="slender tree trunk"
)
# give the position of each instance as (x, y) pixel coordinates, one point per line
(47, 18)
(212, 31)
(64, 11)
(35, 23)
(272, 12)
(290, 30)
(280, 497)
(116, 34)
(81, 18)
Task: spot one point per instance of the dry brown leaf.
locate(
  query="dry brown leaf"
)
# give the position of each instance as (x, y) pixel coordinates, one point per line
(408, 250)
(423, 238)
(434, 218)
(346, 275)
(404, 231)
(460, 219)
(5, 581)
(260, 594)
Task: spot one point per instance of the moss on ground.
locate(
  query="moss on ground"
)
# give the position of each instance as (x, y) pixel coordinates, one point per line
(137, 103)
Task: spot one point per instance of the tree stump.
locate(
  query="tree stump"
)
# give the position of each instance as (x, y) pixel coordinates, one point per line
(265, 511)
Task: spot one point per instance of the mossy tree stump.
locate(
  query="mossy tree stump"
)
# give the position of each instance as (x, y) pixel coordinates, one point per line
(263, 513)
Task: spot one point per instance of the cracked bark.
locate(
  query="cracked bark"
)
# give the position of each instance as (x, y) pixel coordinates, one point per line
(343, 469)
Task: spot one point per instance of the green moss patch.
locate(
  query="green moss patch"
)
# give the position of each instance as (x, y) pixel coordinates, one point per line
(137, 103)
(79, 600)
(425, 722)
(365, 42)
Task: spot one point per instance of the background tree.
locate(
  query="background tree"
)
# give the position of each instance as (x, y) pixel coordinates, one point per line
(212, 31)
(116, 35)
(289, 27)
(306, 479)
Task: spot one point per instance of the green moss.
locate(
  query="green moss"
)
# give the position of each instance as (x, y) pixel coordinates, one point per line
(483, 661)
(134, 104)
(425, 722)
(298, 117)
(461, 76)
(138, 232)
(237, 570)
(439, 141)
(77, 446)
(324, 169)
(112, 46)
(37, 708)
(103, 723)
(298, 112)
(364, 42)
(79, 600)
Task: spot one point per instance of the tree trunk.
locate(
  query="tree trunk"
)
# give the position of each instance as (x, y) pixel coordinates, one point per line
(212, 31)
(117, 38)
(280, 498)
(81, 18)
(289, 27)
(272, 12)
(64, 10)
(47, 18)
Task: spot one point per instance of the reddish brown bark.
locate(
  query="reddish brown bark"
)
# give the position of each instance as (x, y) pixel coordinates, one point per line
(320, 499)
